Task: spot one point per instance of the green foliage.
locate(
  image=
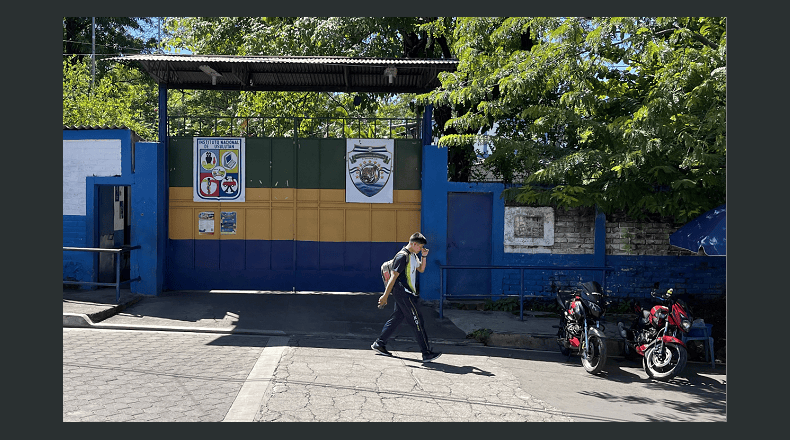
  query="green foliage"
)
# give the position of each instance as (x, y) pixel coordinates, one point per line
(627, 114)
(121, 97)
(113, 35)
(623, 113)
(299, 36)
(621, 306)
(390, 37)
(509, 304)
(480, 335)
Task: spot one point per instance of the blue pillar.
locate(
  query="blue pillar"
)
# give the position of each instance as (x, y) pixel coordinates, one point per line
(433, 213)
(164, 188)
(148, 221)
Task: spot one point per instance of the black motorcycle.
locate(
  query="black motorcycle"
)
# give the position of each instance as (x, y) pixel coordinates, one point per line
(580, 329)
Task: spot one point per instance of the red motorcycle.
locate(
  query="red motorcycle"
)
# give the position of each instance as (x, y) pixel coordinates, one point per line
(655, 335)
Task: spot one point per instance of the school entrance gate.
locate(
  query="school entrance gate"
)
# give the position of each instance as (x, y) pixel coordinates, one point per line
(294, 230)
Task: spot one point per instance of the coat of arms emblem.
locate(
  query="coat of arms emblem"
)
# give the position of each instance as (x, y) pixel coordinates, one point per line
(369, 168)
(218, 167)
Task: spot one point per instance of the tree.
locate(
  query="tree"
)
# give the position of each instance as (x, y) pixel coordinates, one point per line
(122, 97)
(390, 37)
(119, 95)
(620, 113)
(113, 36)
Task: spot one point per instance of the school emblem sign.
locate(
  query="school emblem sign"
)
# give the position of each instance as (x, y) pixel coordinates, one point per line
(218, 168)
(369, 164)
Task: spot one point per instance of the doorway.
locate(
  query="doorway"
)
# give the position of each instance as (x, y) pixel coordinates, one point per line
(113, 231)
(469, 242)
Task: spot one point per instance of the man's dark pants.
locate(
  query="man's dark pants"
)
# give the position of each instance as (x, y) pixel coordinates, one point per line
(405, 309)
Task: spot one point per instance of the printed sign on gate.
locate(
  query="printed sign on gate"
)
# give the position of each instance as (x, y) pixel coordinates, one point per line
(369, 164)
(218, 169)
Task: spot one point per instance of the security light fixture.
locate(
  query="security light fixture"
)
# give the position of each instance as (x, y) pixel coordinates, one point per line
(391, 72)
(210, 72)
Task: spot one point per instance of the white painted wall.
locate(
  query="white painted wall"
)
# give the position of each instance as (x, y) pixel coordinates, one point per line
(82, 158)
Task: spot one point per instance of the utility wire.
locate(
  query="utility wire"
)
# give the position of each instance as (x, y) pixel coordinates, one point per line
(114, 46)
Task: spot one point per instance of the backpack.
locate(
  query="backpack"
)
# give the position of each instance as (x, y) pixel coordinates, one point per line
(386, 267)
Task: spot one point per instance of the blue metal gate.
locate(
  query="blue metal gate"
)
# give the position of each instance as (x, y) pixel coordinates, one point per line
(469, 242)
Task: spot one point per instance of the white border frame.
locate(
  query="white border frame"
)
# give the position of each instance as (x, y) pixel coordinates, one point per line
(354, 195)
(196, 197)
(515, 244)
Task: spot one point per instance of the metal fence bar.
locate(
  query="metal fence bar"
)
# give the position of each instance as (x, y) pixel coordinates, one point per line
(210, 125)
(118, 282)
(443, 287)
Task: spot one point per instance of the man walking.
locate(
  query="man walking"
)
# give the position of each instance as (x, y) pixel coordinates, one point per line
(401, 285)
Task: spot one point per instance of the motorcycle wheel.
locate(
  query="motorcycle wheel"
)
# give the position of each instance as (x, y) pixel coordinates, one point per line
(666, 365)
(596, 356)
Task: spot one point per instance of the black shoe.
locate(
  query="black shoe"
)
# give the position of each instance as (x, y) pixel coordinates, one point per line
(430, 356)
(380, 348)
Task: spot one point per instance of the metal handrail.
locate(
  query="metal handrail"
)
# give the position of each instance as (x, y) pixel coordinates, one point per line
(117, 252)
(521, 269)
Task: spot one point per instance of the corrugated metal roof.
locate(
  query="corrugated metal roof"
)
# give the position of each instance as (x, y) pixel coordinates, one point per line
(95, 127)
(286, 59)
(135, 137)
(293, 73)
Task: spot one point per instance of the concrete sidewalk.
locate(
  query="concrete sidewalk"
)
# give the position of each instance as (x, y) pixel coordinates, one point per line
(281, 313)
(347, 314)
(305, 356)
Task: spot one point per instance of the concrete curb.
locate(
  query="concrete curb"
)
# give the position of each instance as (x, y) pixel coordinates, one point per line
(89, 319)
(614, 347)
(82, 320)
(76, 320)
(534, 342)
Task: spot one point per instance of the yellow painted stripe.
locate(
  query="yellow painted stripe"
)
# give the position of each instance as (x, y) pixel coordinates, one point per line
(301, 214)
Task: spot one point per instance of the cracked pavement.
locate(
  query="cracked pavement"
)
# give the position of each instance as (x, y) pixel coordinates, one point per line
(183, 376)
(122, 375)
(319, 383)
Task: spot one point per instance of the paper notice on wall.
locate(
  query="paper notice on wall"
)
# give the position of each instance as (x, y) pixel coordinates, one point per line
(206, 223)
(227, 223)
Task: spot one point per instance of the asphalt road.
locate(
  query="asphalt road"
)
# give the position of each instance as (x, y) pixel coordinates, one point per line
(128, 375)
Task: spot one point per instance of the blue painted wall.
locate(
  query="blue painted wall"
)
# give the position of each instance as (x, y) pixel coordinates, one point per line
(631, 276)
(148, 227)
(80, 231)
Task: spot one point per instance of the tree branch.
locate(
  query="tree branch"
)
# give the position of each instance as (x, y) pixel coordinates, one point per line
(693, 34)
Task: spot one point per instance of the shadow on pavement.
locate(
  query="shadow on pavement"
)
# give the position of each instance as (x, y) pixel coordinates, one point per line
(452, 369)
(317, 319)
(300, 313)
